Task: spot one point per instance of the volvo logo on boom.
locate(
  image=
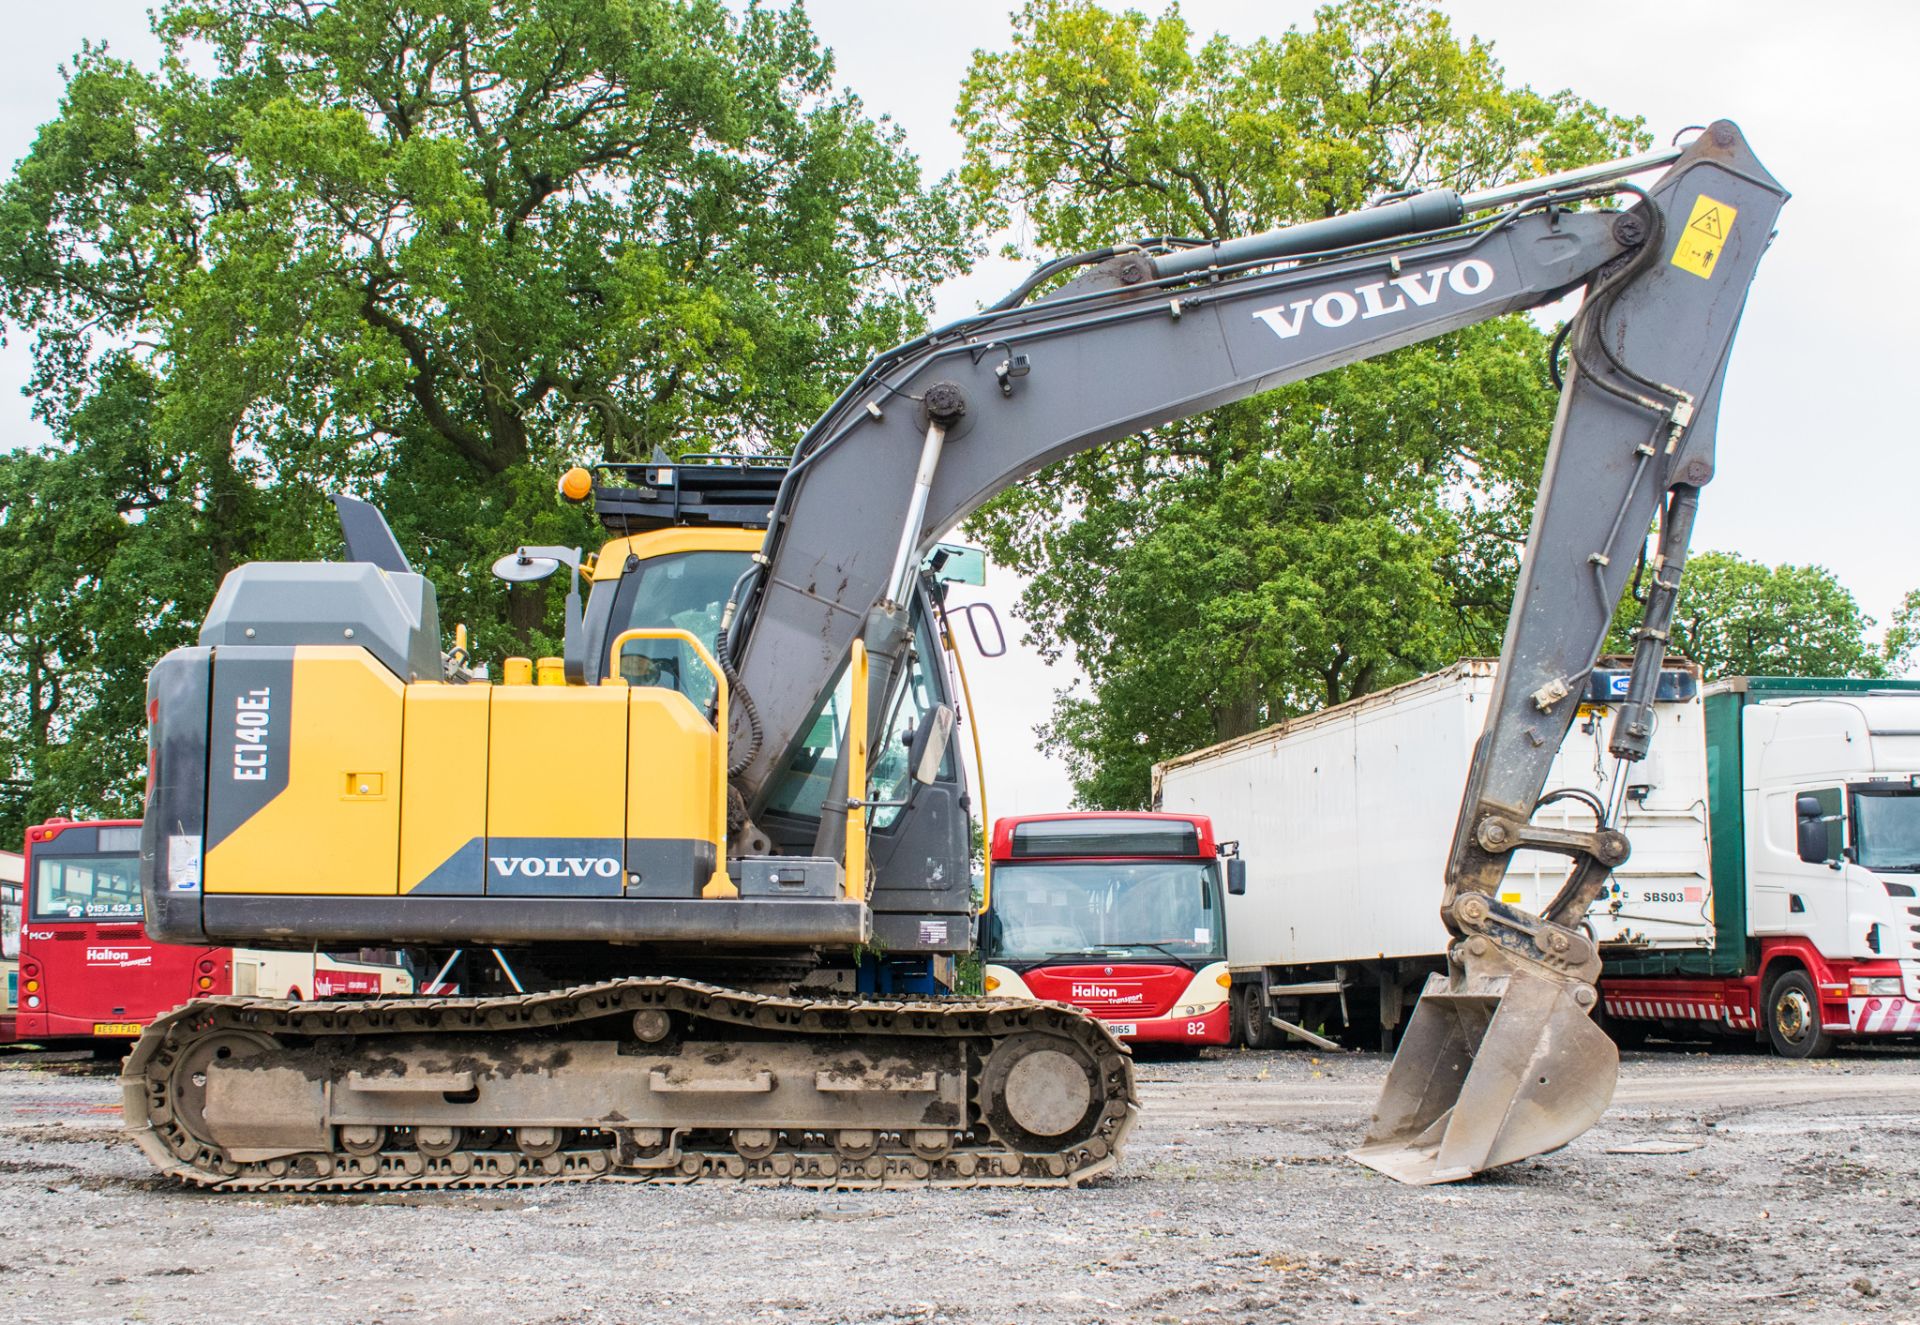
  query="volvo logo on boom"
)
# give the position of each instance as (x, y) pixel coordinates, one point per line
(1336, 308)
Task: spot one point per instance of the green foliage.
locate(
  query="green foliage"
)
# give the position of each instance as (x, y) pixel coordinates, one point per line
(1330, 538)
(1741, 618)
(426, 252)
(1903, 634)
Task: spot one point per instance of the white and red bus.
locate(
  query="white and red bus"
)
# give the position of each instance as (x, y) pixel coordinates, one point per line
(88, 971)
(1122, 915)
(12, 868)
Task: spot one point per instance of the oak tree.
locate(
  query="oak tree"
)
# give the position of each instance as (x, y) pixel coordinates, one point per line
(1323, 540)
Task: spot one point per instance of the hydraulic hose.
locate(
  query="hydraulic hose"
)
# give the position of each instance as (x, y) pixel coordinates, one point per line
(724, 655)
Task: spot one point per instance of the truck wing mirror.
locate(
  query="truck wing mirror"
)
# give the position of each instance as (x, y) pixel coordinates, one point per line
(927, 747)
(1236, 876)
(1811, 826)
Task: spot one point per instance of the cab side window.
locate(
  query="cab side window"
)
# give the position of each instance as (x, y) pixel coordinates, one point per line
(889, 778)
(1819, 827)
(803, 785)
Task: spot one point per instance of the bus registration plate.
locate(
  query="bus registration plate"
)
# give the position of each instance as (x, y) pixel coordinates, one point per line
(117, 1028)
(1123, 1027)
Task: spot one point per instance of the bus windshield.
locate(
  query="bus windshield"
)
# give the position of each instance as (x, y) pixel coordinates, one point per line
(86, 888)
(1134, 909)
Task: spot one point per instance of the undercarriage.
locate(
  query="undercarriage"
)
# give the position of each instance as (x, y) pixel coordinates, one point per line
(639, 1080)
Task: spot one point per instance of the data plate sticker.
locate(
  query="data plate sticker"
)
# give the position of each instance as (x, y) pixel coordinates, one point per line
(1123, 1027)
(183, 862)
(1703, 236)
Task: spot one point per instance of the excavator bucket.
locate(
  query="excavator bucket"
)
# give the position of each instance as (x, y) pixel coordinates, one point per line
(1492, 1069)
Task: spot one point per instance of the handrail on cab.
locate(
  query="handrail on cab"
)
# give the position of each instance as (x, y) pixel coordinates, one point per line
(720, 885)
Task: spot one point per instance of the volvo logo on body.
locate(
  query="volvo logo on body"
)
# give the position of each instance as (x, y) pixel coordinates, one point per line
(1336, 308)
(556, 867)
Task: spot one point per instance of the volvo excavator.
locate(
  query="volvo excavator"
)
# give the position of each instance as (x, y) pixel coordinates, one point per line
(689, 905)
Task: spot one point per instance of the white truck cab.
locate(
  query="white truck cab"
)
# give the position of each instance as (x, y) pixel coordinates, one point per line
(1831, 787)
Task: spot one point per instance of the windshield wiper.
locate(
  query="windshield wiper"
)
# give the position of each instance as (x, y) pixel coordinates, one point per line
(1105, 949)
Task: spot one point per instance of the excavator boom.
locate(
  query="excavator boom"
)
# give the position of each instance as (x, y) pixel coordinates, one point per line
(1502, 1059)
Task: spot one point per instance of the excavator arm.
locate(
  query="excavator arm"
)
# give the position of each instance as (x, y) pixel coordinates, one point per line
(1501, 1060)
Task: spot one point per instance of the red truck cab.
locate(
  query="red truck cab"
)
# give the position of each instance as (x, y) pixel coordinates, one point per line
(1120, 915)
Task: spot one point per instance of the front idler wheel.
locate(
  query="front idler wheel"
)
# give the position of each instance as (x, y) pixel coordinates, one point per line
(1041, 1093)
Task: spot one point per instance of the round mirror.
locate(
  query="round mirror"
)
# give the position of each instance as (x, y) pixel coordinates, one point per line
(519, 568)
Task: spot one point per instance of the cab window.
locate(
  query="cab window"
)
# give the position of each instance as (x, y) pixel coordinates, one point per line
(803, 786)
(684, 591)
(889, 778)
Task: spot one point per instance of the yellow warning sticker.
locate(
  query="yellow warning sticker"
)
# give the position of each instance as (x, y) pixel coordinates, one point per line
(1704, 235)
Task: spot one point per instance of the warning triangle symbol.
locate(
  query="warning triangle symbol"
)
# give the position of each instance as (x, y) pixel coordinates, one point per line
(1708, 224)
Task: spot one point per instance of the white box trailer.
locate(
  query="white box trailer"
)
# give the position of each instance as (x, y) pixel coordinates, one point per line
(1345, 816)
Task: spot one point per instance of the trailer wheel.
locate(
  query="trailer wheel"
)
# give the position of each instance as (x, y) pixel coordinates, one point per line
(1255, 1030)
(1793, 1018)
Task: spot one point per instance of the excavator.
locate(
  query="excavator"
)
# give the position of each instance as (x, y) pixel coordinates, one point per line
(688, 900)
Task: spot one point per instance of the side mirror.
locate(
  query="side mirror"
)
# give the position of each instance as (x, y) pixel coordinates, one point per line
(927, 747)
(1811, 830)
(951, 563)
(1236, 876)
(527, 564)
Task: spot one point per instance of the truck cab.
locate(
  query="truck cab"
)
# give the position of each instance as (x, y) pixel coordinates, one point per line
(1831, 791)
(1121, 915)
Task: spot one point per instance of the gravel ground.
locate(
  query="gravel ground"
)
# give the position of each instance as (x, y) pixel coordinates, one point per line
(1796, 1201)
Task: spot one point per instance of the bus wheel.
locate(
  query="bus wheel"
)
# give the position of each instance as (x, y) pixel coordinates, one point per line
(1793, 1018)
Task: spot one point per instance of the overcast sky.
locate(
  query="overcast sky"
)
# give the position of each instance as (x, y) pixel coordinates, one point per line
(1818, 455)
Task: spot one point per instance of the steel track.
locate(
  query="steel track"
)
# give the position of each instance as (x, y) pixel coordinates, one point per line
(979, 1155)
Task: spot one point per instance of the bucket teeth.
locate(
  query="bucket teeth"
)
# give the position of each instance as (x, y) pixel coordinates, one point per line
(1492, 1069)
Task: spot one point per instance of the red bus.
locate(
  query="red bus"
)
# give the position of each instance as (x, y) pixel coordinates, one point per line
(1122, 915)
(88, 971)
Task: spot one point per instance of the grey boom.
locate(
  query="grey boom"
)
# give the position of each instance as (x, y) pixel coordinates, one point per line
(1501, 1059)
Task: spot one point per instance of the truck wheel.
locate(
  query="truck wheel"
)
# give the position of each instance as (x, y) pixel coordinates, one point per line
(1255, 1030)
(1793, 1018)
